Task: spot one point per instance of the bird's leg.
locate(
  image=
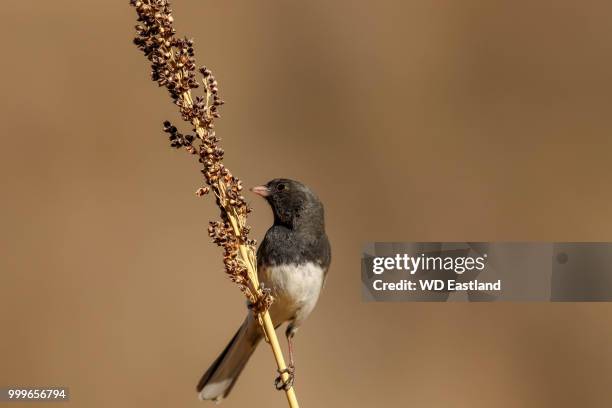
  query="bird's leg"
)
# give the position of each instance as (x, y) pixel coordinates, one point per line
(290, 335)
(279, 382)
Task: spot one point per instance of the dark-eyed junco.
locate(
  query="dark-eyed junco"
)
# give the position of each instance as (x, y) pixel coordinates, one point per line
(292, 261)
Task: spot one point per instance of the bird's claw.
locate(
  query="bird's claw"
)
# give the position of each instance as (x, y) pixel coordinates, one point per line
(263, 302)
(280, 383)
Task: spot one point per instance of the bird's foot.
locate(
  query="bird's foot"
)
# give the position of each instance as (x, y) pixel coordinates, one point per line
(263, 302)
(280, 383)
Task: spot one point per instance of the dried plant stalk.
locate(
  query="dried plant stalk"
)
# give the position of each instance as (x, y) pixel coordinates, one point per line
(173, 67)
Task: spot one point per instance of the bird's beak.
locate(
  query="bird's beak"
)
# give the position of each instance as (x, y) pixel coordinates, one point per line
(261, 191)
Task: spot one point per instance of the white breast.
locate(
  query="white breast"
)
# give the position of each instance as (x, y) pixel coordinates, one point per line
(295, 288)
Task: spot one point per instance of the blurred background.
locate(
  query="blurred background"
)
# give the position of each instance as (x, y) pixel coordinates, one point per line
(413, 120)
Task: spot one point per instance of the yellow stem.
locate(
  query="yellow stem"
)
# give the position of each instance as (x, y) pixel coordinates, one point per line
(246, 253)
(265, 320)
(268, 326)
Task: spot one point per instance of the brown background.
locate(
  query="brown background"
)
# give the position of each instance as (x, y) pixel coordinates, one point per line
(419, 120)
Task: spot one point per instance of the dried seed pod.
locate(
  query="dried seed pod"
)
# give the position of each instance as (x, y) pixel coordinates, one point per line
(173, 67)
(202, 191)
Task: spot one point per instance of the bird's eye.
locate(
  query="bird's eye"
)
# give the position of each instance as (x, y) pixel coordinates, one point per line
(281, 187)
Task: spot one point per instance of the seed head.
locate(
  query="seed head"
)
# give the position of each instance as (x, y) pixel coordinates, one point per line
(173, 66)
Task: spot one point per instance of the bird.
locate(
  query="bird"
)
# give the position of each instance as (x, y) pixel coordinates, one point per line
(292, 263)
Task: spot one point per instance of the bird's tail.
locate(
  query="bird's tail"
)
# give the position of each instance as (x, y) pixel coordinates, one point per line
(219, 379)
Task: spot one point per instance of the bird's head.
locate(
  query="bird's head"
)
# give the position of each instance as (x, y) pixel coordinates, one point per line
(294, 205)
